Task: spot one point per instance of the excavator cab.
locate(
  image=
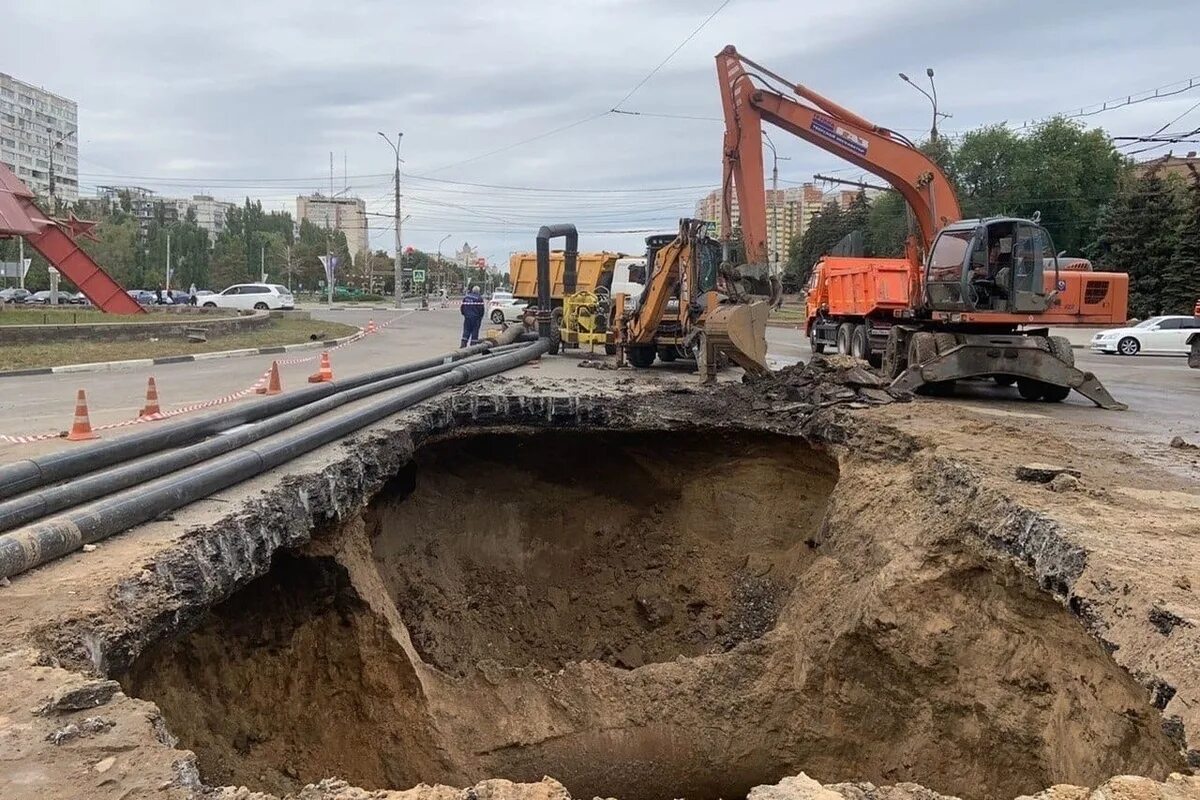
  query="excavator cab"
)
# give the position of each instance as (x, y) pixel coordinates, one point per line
(995, 265)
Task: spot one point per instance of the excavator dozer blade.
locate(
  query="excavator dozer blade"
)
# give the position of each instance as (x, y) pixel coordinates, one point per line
(740, 331)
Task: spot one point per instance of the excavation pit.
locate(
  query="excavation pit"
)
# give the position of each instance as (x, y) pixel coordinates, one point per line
(650, 615)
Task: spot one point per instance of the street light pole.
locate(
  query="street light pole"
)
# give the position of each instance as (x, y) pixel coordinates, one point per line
(53, 145)
(399, 221)
(933, 134)
(774, 225)
(441, 269)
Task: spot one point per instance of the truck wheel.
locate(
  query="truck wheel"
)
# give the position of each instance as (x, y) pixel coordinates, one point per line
(944, 342)
(921, 348)
(1060, 348)
(1030, 389)
(498, 317)
(818, 348)
(610, 349)
(555, 332)
(844, 332)
(1055, 394)
(860, 344)
(1004, 380)
(640, 355)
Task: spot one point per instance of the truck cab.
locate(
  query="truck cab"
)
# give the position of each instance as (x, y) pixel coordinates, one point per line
(629, 279)
(995, 265)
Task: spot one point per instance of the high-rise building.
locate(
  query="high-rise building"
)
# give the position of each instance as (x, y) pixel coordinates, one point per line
(345, 214)
(788, 214)
(149, 207)
(38, 137)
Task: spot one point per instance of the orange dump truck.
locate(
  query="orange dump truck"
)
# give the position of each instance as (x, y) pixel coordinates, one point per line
(851, 303)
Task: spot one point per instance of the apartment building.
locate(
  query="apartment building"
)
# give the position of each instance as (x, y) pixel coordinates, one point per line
(39, 138)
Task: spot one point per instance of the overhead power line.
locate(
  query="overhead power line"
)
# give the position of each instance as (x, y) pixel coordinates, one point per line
(1157, 93)
(671, 55)
(590, 117)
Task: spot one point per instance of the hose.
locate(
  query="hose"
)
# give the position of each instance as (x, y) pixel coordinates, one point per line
(21, 476)
(34, 545)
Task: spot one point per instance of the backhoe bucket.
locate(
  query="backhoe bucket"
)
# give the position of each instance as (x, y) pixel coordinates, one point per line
(739, 331)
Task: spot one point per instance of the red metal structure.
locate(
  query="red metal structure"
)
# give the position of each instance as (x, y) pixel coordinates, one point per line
(55, 241)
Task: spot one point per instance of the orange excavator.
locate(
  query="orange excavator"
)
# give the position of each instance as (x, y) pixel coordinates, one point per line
(55, 240)
(954, 307)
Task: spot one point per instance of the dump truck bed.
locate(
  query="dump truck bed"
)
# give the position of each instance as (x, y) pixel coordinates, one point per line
(590, 266)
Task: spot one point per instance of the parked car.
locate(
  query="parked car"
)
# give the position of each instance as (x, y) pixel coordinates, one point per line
(142, 296)
(503, 307)
(42, 298)
(14, 295)
(78, 299)
(251, 295)
(1154, 336)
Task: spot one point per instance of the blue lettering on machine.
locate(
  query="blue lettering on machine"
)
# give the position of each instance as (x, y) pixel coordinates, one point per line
(830, 130)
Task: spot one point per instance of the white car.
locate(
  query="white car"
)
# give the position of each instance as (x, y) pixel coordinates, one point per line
(259, 296)
(1166, 336)
(503, 307)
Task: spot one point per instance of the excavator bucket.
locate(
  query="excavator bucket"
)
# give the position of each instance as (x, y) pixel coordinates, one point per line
(740, 332)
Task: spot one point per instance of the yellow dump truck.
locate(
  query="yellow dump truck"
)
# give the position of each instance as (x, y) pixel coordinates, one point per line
(595, 270)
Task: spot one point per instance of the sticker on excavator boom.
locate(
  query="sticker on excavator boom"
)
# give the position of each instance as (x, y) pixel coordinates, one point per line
(830, 130)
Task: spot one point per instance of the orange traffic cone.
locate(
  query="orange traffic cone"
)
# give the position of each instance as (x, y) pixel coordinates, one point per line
(274, 386)
(151, 409)
(325, 373)
(81, 429)
(371, 326)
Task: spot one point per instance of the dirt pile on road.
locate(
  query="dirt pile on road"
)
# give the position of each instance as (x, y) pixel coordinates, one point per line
(827, 381)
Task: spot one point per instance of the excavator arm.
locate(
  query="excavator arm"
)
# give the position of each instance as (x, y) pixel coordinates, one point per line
(827, 125)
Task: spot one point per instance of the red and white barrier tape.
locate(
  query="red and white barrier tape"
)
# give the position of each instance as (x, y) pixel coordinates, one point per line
(229, 398)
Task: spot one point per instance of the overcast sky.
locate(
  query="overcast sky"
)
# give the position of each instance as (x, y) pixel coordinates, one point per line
(249, 98)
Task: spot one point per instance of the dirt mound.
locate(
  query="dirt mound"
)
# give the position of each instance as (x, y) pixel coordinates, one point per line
(827, 381)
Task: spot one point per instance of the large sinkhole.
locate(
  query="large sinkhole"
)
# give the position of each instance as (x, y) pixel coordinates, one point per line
(645, 616)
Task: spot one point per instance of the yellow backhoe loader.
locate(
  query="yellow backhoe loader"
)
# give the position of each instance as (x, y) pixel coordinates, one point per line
(684, 313)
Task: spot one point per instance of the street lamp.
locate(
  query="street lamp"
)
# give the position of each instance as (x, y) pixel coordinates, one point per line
(774, 199)
(932, 99)
(399, 221)
(439, 261)
(51, 149)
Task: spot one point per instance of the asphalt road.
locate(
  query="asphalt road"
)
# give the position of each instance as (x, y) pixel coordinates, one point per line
(1163, 394)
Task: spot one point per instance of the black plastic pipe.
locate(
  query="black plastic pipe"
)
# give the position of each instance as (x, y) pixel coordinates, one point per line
(544, 235)
(51, 499)
(34, 545)
(22, 476)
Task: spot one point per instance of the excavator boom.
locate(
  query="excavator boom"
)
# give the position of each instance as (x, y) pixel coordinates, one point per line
(827, 125)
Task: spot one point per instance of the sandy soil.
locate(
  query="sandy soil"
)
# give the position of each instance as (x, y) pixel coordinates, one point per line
(914, 645)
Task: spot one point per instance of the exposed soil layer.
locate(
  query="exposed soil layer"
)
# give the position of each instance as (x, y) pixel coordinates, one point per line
(651, 615)
(622, 548)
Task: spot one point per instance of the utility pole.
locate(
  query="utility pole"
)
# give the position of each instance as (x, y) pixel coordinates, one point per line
(262, 264)
(289, 267)
(168, 261)
(399, 220)
(329, 274)
(21, 259)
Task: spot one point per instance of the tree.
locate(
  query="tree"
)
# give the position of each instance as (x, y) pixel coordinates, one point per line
(824, 230)
(1138, 232)
(887, 225)
(1181, 282)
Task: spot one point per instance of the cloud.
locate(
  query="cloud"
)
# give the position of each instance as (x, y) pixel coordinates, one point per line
(262, 92)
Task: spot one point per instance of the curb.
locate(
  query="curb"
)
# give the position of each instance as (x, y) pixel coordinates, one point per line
(115, 366)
